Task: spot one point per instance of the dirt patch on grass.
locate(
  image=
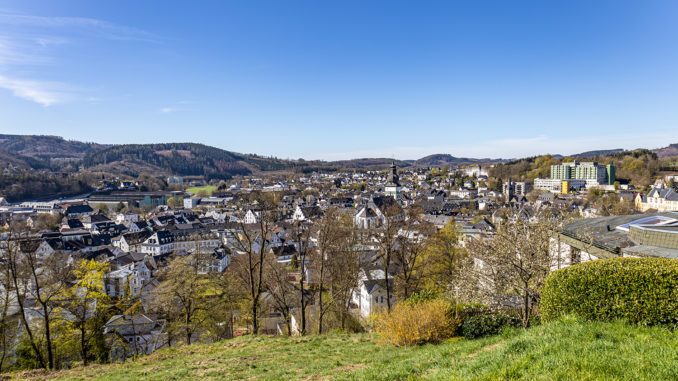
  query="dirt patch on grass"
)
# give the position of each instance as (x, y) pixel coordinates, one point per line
(209, 361)
(234, 344)
(204, 372)
(88, 372)
(315, 377)
(250, 359)
(486, 349)
(349, 368)
(341, 370)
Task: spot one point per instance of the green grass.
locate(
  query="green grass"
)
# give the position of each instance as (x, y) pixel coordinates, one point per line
(207, 188)
(562, 350)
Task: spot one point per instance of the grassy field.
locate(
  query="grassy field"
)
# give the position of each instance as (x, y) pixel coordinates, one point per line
(207, 188)
(565, 350)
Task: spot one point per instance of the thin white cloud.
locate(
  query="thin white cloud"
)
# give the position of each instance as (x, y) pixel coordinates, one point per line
(44, 93)
(27, 40)
(167, 110)
(14, 53)
(50, 41)
(102, 28)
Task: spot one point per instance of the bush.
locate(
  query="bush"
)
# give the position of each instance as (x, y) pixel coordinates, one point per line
(423, 296)
(430, 321)
(487, 324)
(639, 290)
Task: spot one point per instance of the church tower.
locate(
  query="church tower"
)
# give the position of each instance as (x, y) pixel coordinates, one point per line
(393, 187)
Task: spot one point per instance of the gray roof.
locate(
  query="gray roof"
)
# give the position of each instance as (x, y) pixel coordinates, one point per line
(667, 194)
(603, 234)
(651, 251)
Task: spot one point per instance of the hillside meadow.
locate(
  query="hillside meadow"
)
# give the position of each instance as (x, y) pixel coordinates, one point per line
(562, 350)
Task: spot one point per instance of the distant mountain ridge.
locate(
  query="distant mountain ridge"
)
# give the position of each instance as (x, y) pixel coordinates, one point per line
(671, 150)
(47, 147)
(598, 153)
(444, 160)
(193, 159)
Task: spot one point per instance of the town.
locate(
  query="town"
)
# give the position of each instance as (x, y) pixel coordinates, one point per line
(128, 271)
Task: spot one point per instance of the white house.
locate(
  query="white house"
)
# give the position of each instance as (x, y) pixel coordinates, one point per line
(251, 217)
(161, 242)
(659, 199)
(370, 295)
(126, 218)
(132, 278)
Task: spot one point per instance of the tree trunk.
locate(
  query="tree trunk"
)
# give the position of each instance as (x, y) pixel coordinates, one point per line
(320, 306)
(388, 289)
(303, 301)
(83, 346)
(526, 306)
(22, 311)
(29, 332)
(48, 337)
(188, 329)
(255, 323)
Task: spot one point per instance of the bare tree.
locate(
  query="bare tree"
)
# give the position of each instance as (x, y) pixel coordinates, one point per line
(387, 235)
(329, 238)
(302, 236)
(19, 282)
(278, 284)
(39, 278)
(7, 325)
(251, 243)
(409, 258)
(516, 261)
(344, 264)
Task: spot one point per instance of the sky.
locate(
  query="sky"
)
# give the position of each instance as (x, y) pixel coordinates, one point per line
(345, 79)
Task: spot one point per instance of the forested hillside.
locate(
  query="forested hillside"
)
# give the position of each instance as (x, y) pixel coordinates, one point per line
(184, 159)
(50, 149)
(638, 167)
(29, 185)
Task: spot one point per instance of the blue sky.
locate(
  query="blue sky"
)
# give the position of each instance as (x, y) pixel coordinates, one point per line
(345, 79)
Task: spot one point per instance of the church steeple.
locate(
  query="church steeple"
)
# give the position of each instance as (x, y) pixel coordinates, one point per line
(393, 175)
(392, 187)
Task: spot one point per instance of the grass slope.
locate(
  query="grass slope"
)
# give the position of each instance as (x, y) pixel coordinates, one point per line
(207, 188)
(564, 350)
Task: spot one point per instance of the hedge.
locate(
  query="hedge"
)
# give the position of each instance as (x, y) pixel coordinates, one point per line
(488, 324)
(643, 291)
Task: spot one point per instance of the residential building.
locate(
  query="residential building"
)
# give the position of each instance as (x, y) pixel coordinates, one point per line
(592, 172)
(515, 188)
(658, 199)
(133, 335)
(161, 242)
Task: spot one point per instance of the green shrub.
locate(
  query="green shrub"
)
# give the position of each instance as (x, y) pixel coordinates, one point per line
(430, 321)
(643, 291)
(487, 324)
(423, 296)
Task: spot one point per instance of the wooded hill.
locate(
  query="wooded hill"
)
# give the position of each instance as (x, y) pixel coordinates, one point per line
(638, 167)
